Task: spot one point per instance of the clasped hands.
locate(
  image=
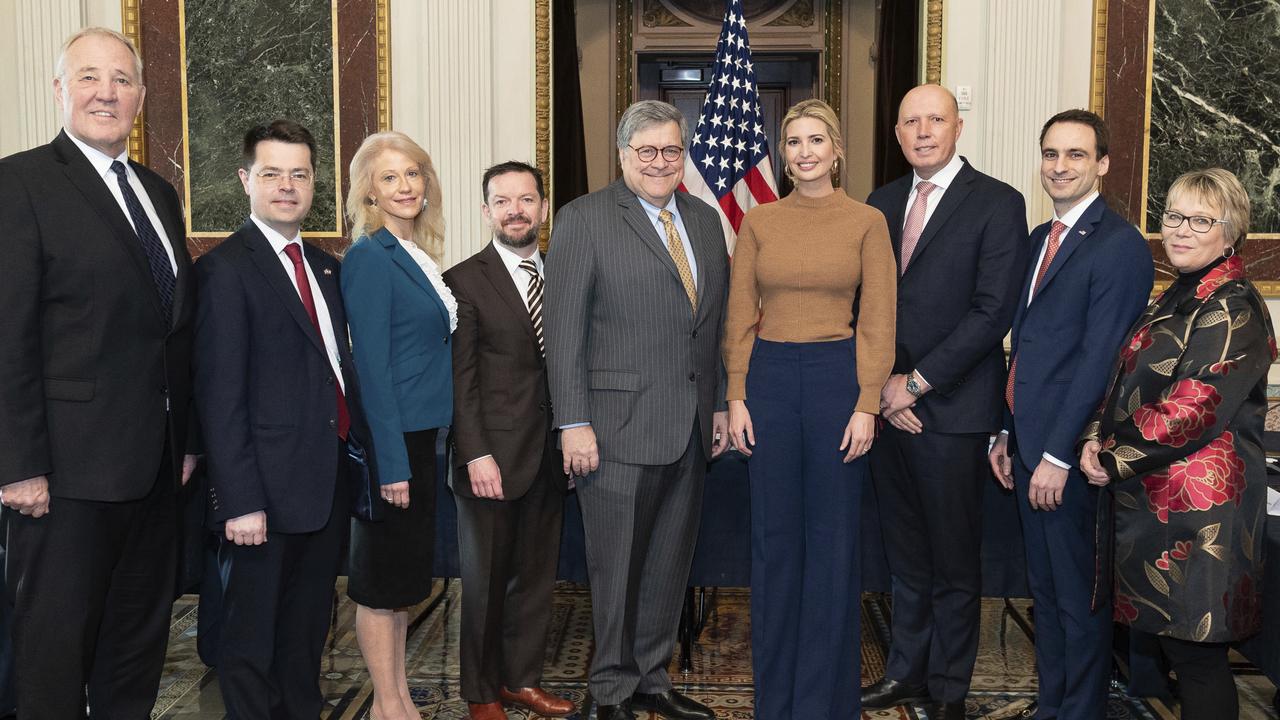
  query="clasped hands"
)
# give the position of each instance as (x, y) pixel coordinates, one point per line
(896, 404)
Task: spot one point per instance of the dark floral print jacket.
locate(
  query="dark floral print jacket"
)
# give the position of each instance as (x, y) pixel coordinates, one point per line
(1181, 435)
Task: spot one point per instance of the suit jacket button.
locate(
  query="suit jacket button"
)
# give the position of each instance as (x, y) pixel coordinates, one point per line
(695, 333)
(329, 380)
(333, 423)
(164, 390)
(693, 377)
(446, 339)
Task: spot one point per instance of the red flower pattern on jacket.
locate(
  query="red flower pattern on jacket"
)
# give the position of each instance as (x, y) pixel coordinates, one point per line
(1181, 415)
(1124, 610)
(1213, 475)
(1244, 606)
(1271, 343)
(1231, 269)
(1140, 341)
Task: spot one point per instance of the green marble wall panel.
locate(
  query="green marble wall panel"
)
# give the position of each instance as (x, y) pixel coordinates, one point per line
(1215, 100)
(251, 62)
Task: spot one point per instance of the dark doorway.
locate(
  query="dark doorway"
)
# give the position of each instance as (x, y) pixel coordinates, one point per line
(783, 79)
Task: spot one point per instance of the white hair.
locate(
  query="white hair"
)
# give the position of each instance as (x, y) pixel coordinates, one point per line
(60, 64)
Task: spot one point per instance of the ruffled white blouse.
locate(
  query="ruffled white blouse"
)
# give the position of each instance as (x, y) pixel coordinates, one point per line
(432, 271)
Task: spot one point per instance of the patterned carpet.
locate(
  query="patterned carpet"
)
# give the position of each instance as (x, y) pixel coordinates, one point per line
(1003, 683)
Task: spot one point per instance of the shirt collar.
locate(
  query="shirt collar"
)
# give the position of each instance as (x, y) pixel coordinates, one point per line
(1073, 215)
(278, 241)
(652, 210)
(98, 159)
(944, 177)
(512, 260)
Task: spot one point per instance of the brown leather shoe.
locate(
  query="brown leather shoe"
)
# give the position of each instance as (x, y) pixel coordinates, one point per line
(487, 711)
(538, 700)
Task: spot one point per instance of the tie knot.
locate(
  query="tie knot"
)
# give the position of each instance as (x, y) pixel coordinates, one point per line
(294, 251)
(664, 216)
(118, 168)
(529, 266)
(1056, 230)
(924, 188)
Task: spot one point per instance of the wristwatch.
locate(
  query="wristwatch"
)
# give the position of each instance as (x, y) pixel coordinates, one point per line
(913, 387)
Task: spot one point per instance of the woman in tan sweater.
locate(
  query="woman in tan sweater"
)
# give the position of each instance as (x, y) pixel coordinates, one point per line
(804, 388)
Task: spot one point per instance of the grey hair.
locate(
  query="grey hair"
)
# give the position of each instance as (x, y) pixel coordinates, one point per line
(646, 113)
(60, 64)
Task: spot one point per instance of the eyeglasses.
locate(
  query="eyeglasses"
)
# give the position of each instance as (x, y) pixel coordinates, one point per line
(271, 178)
(648, 153)
(1199, 223)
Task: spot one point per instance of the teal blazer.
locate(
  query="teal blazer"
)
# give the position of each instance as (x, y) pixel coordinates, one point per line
(400, 344)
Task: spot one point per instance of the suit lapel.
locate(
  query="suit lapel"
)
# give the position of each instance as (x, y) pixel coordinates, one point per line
(638, 219)
(897, 216)
(495, 271)
(82, 175)
(700, 239)
(952, 199)
(401, 257)
(279, 281)
(1075, 236)
(177, 238)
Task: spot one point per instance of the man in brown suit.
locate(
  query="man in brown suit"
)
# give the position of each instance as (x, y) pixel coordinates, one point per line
(508, 484)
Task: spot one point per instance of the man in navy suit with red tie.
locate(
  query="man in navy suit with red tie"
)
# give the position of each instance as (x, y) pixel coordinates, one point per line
(1090, 278)
(276, 389)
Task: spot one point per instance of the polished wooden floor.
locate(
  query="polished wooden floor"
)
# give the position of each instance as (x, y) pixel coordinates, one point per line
(1003, 682)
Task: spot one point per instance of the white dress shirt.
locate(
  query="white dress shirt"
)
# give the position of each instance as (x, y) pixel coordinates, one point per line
(942, 179)
(520, 277)
(432, 271)
(101, 163)
(278, 244)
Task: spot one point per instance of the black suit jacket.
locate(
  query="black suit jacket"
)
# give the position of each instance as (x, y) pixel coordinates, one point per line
(91, 378)
(957, 298)
(265, 386)
(501, 402)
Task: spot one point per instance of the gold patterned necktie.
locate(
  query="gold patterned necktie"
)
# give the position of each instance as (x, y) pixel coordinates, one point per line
(676, 247)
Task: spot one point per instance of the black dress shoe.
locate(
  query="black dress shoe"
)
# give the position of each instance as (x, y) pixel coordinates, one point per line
(946, 711)
(886, 693)
(614, 712)
(672, 706)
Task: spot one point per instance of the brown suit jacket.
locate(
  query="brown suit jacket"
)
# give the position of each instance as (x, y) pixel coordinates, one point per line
(501, 402)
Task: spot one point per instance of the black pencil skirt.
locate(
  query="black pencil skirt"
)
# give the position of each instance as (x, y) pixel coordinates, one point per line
(391, 560)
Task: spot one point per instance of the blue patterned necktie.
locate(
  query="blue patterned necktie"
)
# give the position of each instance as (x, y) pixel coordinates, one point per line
(157, 256)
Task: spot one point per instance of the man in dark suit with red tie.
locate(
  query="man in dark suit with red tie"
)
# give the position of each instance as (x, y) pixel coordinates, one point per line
(276, 389)
(1091, 279)
(95, 356)
(509, 484)
(961, 242)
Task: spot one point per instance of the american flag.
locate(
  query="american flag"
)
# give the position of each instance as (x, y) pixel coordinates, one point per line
(728, 160)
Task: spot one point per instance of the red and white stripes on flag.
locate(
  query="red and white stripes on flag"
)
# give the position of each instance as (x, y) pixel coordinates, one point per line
(728, 160)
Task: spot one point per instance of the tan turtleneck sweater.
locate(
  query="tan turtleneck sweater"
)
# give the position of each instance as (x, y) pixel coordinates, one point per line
(796, 268)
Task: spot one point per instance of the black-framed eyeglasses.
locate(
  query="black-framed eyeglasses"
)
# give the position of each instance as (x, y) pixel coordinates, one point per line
(1199, 223)
(648, 153)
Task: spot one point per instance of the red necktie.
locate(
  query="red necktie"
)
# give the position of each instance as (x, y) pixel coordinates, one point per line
(294, 251)
(915, 221)
(1051, 249)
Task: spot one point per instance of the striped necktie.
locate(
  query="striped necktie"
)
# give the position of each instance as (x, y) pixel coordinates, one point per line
(152, 246)
(533, 298)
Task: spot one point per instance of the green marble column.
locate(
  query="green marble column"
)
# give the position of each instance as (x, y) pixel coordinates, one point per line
(250, 62)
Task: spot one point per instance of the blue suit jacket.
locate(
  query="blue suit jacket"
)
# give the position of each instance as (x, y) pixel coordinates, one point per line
(400, 340)
(1066, 341)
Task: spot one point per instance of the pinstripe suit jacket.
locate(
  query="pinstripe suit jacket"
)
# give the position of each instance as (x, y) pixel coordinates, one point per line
(624, 351)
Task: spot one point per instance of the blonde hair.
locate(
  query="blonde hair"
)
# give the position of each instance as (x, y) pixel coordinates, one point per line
(818, 110)
(60, 63)
(1221, 188)
(366, 218)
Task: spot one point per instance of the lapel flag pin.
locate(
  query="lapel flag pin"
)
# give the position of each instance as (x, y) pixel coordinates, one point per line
(1081, 232)
(327, 271)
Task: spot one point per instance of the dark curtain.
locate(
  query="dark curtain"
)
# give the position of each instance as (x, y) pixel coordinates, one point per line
(896, 73)
(569, 166)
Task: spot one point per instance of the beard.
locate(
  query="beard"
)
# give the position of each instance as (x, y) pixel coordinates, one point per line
(519, 241)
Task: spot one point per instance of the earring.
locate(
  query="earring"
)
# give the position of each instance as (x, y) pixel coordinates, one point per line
(835, 166)
(1230, 251)
(373, 201)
